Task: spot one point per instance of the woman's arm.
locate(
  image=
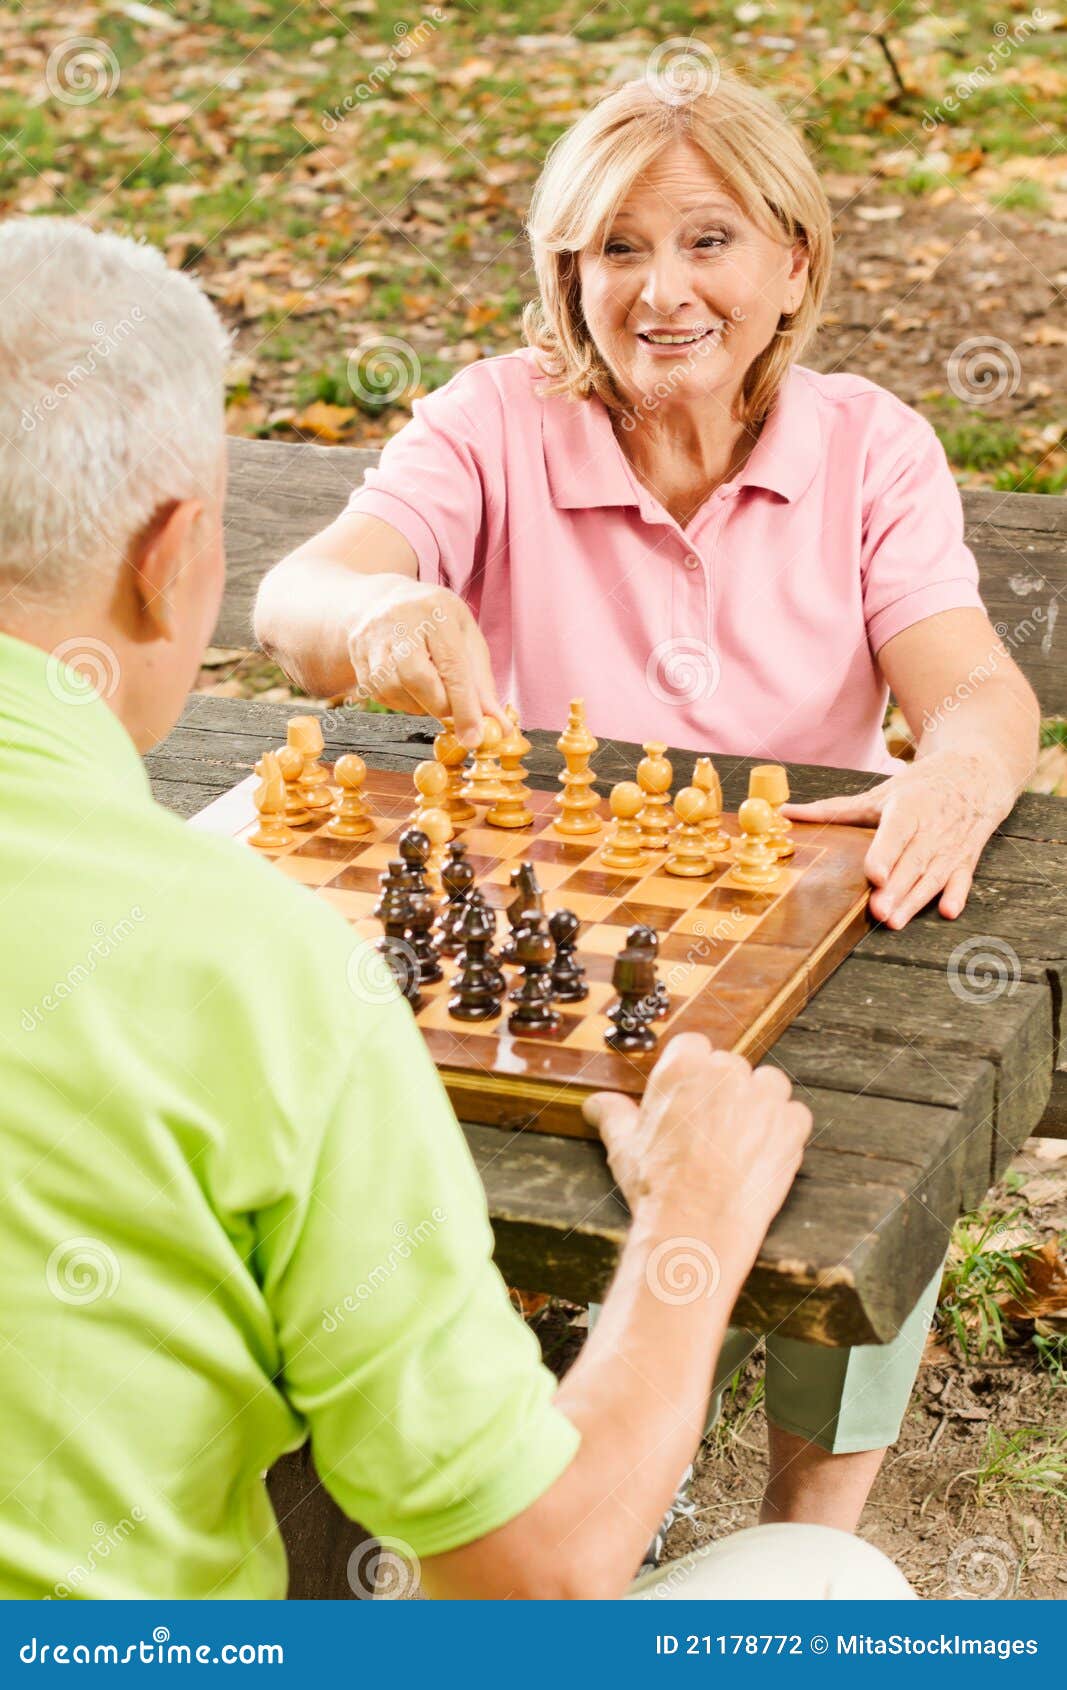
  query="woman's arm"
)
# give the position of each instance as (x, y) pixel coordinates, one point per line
(975, 719)
(346, 613)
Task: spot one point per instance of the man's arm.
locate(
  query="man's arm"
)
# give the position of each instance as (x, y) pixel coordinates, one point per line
(705, 1166)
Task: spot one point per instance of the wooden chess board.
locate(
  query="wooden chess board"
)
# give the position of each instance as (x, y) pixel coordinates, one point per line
(738, 965)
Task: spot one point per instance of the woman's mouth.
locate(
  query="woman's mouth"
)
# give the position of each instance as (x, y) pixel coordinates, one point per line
(674, 337)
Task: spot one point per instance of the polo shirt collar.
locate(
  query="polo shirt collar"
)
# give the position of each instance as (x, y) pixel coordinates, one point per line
(587, 469)
(50, 712)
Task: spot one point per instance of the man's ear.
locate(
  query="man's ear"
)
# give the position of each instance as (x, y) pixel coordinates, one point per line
(159, 555)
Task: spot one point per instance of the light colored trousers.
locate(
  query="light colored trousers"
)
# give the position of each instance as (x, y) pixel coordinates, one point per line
(785, 1563)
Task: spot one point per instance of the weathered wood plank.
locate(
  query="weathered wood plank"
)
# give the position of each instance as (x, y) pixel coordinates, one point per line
(860, 1069)
(886, 1002)
(281, 493)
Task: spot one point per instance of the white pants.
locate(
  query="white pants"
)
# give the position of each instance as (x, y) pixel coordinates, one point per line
(785, 1563)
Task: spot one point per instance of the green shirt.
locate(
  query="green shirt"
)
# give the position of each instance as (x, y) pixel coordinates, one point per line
(237, 1207)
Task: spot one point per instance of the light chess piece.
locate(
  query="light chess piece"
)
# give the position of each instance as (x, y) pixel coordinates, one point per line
(304, 734)
(431, 785)
(291, 764)
(350, 818)
(705, 776)
(270, 833)
(654, 776)
(689, 850)
(437, 826)
(756, 865)
(511, 810)
(624, 847)
(577, 803)
(770, 781)
(483, 785)
(451, 753)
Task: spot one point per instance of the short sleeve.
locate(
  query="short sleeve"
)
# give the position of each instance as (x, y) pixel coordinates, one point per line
(915, 562)
(429, 1408)
(434, 483)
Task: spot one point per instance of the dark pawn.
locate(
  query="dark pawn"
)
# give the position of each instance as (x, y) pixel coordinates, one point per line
(457, 879)
(475, 995)
(420, 920)
(567, 980)
(393, 910)
(414, 848)
(527, 900)
(634, 978)
(533, 1014)
(647, 939)
(492, 960)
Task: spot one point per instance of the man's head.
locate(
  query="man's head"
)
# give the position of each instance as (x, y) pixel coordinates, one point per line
(112, 463)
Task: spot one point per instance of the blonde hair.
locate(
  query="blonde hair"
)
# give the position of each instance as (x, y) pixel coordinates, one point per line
(763, 164)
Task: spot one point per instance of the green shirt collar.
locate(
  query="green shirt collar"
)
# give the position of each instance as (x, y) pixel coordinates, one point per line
(51, 711)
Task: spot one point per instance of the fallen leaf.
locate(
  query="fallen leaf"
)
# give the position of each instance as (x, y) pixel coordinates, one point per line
(325, 422)
(1046, 1286)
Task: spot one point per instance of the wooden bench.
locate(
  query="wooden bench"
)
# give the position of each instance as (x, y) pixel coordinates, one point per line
(920, 1099)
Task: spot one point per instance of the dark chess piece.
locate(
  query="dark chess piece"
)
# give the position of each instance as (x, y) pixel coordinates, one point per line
(475, 993)
(414, 847)
(634, 978)
(533, 1015)
(567, 980)
(393, 910)
(457, 879)
(492, 960)
(420, 920)
(647, 940)
(527, 900)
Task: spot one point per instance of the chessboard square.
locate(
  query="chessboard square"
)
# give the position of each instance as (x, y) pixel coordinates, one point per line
(332, 850)
(602, 939)
(684, 979)
(546, 850)
(585, 906)
(354, 906)
(729, 927)
(356, 878)
(674, 892)
(310, 871)
(378, 856)
(600, 883)
(589, 1034)
(601, 993)
(631, 912)
(495, 842)
(435, 1013)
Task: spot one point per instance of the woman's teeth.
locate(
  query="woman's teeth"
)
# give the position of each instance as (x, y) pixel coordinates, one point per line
(681, 338)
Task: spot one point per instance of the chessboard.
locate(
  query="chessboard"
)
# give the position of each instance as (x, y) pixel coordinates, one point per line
(738, 964)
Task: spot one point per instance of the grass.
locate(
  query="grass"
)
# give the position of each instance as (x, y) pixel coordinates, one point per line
(1026, 1462)
(735, 1415)
(218, 131)
(976, 1276)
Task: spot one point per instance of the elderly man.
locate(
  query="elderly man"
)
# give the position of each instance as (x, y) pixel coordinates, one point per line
(208, 1140)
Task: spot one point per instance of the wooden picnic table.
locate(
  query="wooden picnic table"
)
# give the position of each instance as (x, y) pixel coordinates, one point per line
(922, 1085)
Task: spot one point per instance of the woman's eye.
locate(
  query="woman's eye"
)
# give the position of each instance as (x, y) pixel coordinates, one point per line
(615, 248)
(719, 239)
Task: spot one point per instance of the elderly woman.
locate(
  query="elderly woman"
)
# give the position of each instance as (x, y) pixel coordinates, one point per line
(655, 507)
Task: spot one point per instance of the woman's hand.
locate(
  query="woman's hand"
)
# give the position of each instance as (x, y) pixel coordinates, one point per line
(932, 820)
(417, 648)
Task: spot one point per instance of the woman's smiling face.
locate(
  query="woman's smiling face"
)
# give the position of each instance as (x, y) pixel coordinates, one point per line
(686, 290)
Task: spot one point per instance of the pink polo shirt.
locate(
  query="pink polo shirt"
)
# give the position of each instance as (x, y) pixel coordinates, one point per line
(754, 630)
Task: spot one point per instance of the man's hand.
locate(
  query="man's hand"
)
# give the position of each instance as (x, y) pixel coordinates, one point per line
(712, 1135)
(419, 649)
(933, 821)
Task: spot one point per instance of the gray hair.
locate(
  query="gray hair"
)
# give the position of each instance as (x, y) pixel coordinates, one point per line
(111, 399)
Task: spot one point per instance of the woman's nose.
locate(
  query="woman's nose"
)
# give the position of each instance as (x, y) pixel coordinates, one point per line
(667, 286)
